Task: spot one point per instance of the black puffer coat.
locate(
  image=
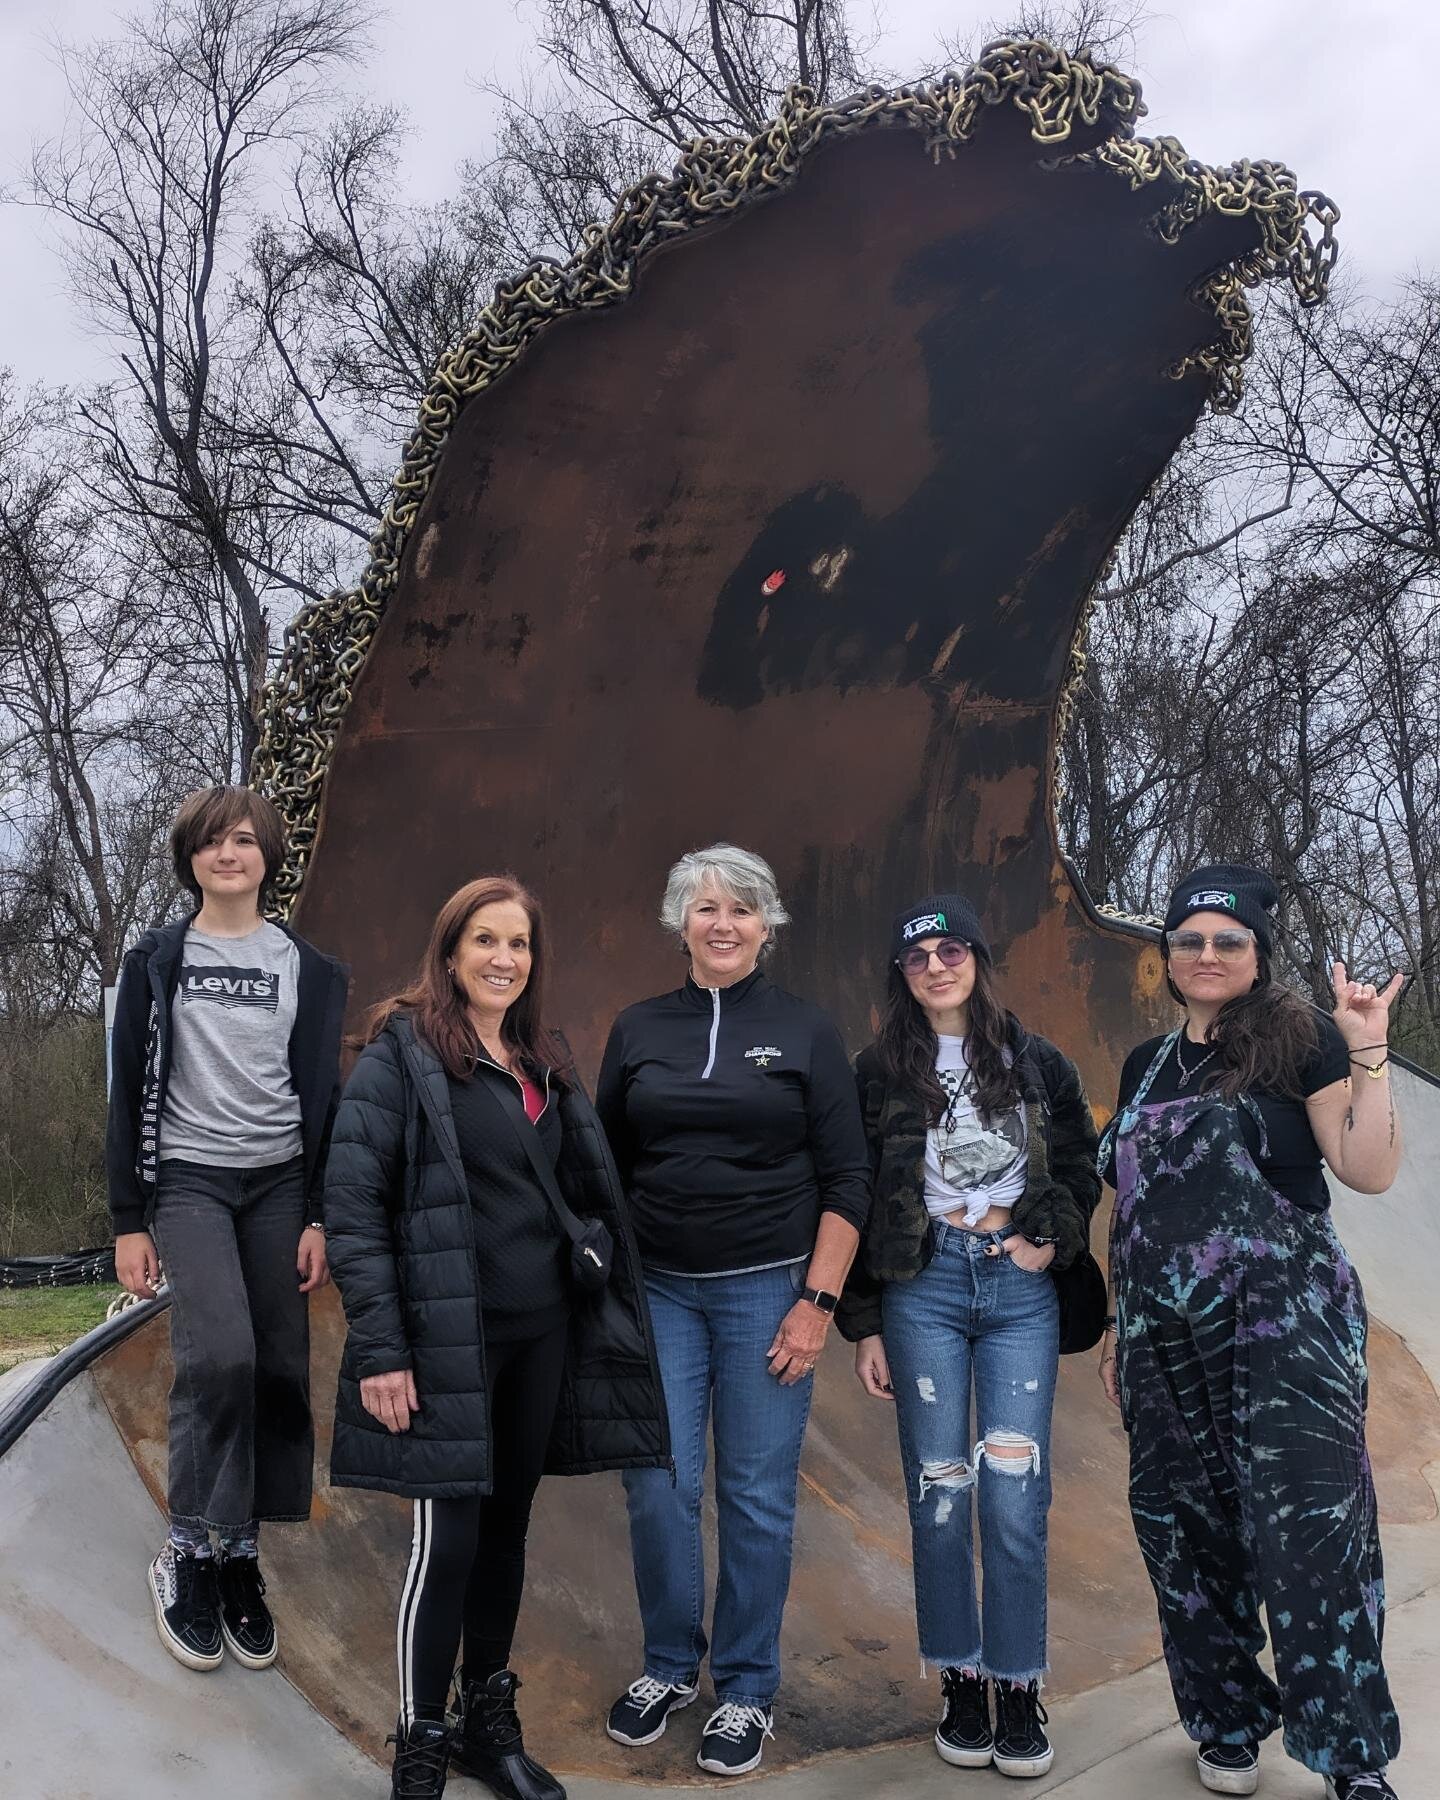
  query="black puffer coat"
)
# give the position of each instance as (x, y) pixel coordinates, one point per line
(401, 1239)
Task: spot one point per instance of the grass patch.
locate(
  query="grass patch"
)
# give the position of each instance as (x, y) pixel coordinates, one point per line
(40, 1321)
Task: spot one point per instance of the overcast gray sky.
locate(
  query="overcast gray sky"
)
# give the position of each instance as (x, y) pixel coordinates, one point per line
(1334, 88)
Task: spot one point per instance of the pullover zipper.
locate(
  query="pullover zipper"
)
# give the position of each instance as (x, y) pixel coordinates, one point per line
(714, 1031)
(490, 1060)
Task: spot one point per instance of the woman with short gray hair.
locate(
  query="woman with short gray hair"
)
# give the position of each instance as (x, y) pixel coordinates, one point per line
(741, 873)
(733, 1115)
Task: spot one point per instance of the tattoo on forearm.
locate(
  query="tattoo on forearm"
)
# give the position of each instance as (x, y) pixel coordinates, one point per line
(1349, 1118)
(1392, 1121)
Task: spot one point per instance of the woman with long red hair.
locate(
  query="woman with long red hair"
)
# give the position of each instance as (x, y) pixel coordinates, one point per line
(498, 1324)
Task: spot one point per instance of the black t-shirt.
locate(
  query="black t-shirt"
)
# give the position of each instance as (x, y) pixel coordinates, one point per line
(1293, 1166)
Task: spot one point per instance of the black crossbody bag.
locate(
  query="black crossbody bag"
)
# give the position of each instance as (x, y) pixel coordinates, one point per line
(592, 1249)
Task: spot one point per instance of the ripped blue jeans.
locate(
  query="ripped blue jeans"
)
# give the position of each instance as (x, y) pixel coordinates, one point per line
(976, 1323)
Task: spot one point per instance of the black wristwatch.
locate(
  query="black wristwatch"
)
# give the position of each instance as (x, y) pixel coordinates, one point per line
(818, 1297)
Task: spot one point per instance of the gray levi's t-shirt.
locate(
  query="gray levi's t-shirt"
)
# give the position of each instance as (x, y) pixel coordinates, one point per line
(230, 1100)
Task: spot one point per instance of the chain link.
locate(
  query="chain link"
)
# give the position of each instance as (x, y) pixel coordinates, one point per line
(326, 645)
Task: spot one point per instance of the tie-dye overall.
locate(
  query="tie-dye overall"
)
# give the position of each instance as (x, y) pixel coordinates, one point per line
(1241, 1362)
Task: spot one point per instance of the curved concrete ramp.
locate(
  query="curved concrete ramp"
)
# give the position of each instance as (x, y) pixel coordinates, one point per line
(94, 1706)
(853, 1676)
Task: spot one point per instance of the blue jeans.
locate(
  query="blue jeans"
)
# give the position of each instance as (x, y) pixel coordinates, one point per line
(972, 1319)
(711, 1337)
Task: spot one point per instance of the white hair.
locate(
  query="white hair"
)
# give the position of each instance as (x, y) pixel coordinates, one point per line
(742, 874)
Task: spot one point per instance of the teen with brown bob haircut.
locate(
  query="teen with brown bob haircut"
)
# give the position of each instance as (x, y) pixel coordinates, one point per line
(225, 1067)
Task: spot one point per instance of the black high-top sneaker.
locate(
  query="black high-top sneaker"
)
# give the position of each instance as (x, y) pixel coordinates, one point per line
(422, 1759)
(186, 1598)
(489, 1745)
(964, 1737)
(244, 1617)
(642, 1712)
(1228, 1768)
(1021, 1746)
(1370, 1786)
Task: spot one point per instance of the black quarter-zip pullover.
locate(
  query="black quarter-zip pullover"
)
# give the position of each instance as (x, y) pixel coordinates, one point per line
(734, 1121)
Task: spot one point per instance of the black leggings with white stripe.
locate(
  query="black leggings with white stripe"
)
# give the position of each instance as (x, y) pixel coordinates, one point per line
(467, 1564)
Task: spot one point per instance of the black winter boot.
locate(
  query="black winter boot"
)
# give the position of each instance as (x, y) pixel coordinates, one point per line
(422, 1758)
(488, 1744)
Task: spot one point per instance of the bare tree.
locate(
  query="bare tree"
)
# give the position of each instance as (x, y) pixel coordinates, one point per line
(85, 752)
(352, 299)
(1109, 32)
(1350, 394)
(628, 83)
(172, 130)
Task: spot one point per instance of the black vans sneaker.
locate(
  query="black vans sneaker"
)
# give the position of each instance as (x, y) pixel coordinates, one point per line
(642, 1712)
(422, 1760)
(186, 1598)
(734, 1738)
(1370, 1786)
(490, 1746)
(244, 1617)
(1229, 1768)
(1021, 1746)
(963, 1736)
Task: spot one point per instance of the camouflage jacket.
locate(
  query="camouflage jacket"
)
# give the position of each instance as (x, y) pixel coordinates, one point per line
(1062, 1186)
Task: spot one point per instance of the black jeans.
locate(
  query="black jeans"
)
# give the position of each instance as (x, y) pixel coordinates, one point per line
(241, 1442)
(467, 1563)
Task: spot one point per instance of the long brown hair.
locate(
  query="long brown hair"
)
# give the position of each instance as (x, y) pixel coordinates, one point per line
(435, 1002)
(907, 1047)
(1262, 1040)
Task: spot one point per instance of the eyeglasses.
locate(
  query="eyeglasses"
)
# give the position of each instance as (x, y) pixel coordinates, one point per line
(1189, 946)
(951, 951)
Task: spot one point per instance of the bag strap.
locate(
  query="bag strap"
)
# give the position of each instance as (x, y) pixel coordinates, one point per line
(529, 1138)
(1128, 1116)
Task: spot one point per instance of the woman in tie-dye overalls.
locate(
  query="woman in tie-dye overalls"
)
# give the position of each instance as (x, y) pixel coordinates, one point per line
(1237, 1351)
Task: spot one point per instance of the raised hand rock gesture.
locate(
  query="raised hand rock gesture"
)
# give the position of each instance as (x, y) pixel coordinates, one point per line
(1362, 1011)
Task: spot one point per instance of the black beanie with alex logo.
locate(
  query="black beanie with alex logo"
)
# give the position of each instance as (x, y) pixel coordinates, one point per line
(1248, 895)
(939, 915)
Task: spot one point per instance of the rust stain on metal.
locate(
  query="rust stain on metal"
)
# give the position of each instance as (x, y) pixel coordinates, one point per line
(425, 551)
(1150, 975)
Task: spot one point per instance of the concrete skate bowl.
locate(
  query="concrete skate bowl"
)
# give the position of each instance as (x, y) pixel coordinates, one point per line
(777, 527)
(81, 1481)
